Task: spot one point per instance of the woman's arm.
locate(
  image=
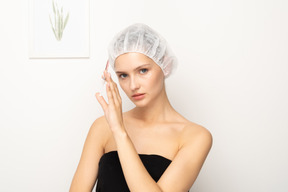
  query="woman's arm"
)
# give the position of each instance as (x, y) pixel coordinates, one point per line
(180, 174)
(184, 169)
(86, 173)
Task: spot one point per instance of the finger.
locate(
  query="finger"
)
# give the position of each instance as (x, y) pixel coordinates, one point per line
(101, 101)
(107, 64)
(113, 88)
(112, 85)
(106, 76)
(118, 94)
(109, 94)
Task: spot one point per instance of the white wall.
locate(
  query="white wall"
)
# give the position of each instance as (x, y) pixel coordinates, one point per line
(232, 78)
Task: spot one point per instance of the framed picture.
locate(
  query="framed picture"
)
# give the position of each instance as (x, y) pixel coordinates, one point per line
(59, 29)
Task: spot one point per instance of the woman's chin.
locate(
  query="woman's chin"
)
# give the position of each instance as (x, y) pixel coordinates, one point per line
(140, 103)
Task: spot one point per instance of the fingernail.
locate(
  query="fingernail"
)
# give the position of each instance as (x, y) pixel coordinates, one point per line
(98, 94)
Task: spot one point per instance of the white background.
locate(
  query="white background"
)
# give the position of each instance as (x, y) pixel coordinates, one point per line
(232, 78)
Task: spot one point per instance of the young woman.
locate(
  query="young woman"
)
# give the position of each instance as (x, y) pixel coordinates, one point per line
(151, 148)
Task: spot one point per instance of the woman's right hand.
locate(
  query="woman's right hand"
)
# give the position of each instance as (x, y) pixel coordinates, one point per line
(113, 108)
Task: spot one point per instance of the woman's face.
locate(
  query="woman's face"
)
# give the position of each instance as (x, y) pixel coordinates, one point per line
(140, 78)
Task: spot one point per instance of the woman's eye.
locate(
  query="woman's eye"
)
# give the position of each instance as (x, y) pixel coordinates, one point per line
(122, 76)
(142, 71)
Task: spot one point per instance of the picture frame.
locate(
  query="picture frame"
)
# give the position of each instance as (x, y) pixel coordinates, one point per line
(59, 29)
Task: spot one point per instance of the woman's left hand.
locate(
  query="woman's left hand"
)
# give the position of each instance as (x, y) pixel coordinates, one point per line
(112, 109)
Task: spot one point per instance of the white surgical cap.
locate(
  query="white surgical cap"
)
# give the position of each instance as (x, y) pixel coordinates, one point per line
(140, 38)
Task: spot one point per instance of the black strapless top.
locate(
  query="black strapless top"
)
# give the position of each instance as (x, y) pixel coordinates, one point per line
(110, 174)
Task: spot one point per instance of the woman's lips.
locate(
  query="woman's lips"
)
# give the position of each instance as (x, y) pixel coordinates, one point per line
(138, 96)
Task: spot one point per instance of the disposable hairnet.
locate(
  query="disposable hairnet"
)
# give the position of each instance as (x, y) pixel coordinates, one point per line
(140, 38)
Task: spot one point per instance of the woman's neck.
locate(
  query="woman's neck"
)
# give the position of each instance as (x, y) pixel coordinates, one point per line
(160, 110)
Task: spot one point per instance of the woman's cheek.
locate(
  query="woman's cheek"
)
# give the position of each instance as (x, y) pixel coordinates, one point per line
(125, 86)
(147, 75)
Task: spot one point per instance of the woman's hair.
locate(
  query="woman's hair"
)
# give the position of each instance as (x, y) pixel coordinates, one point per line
(140, 38)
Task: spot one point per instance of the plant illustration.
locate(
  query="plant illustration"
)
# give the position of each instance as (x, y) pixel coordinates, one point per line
(59, 22)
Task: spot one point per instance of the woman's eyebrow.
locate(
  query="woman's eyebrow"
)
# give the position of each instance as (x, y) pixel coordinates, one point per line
(141, 66)
(137, 68)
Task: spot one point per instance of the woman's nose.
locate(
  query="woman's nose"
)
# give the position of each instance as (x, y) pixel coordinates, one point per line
(134, 85)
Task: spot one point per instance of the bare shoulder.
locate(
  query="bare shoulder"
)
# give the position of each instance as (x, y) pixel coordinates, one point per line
(100, 129)
(195, 134)
(100, 122)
